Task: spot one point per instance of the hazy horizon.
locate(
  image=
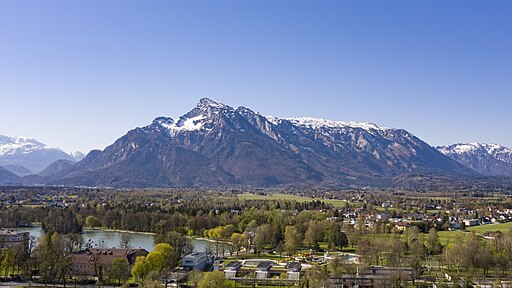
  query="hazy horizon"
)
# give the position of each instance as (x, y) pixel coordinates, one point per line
(78, 75)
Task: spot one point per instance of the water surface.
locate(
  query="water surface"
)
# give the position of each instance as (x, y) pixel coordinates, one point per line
(109, 239)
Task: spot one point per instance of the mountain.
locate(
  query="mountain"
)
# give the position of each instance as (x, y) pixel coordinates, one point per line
(29, 153)
(218, 145)
(8, 178)
(18, 170)
(487, 159)
(77, 155)
(56, 167)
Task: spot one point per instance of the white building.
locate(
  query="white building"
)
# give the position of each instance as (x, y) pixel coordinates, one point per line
(11, 238)
(232, 269)
(196, 260)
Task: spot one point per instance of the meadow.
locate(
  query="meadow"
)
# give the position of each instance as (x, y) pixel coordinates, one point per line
(279, 196)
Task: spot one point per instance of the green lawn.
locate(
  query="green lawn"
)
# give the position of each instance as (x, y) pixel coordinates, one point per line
(446, 237)
(449, 236)
(481, 229)
(279, 196)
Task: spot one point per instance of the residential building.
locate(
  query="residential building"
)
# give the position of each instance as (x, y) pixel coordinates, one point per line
(12, 238)
(97, 261)
(196, 260)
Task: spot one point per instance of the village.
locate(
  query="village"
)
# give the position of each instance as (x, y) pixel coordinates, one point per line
(249, 256)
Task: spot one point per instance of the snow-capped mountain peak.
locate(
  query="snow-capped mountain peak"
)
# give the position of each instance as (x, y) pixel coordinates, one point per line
(207, 102)
(19, 145)
(77, 155)
(462, 148)
(29, 153)
(489, 159)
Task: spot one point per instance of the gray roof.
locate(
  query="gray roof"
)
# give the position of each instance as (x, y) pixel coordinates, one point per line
(235, 265)
(264, 265)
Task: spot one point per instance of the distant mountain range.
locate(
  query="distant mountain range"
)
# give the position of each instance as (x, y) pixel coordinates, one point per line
(23, 156)
(487, 159)
(216, 145)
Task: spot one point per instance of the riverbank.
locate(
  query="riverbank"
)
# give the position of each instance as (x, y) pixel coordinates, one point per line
(210, 240)
(121, 231)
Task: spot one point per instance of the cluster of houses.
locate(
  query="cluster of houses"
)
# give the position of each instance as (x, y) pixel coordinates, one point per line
(38, 199)
(444, 219)
(260, 269)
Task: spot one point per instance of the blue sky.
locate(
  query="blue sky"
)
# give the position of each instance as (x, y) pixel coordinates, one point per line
(79, 74)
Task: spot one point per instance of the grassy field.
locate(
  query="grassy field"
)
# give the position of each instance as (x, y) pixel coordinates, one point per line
(278, 196)
(449, 236)
(446, 237)
(481, 229)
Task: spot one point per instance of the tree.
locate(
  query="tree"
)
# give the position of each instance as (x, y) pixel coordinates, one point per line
(165, 249)
(313, 234)
(433, 245)
(336, 238)
(316, 277)
(454, 254)
(217, 234)
(169, 262)
(396, 250)
(76, 241)
(336, 266)
(8, 261)
(180, 244)
(61, 220)
(92, 222)
(417, 254)
(155, 260)
(141, 268)
(24, 253)
(238, 241)
(215, 280)
(126, 238)
(279, 248)
(263, 236)
(53, 256)
(119, 270)
(411, 234)
(292, 239)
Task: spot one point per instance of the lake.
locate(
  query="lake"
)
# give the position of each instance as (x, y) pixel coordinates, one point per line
(101, 238)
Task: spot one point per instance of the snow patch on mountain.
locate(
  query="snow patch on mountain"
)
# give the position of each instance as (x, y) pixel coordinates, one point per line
(30, 153)
(19, 145)
(467, 148)
(317, 123)
(488, 159)
(191, 124)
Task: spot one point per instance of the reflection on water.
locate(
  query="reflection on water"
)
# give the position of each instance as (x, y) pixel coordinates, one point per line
(100, 238)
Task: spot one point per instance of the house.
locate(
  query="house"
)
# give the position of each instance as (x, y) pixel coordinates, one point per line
(97, 261)
(11, 238)
(294, 269)
(232, 268)
(402, 226)
(196, 260)
(386, 204)
(262, 269)
(218, 265)
(471, 222)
